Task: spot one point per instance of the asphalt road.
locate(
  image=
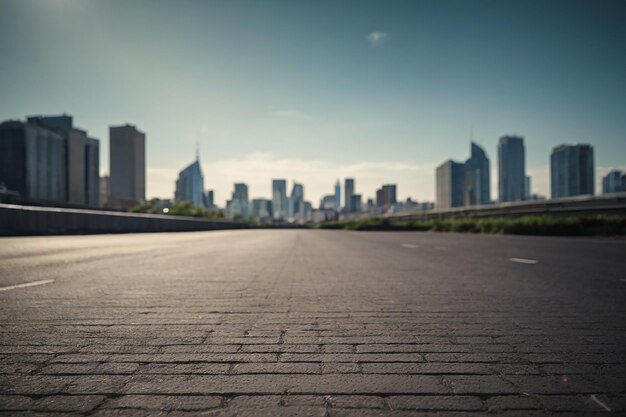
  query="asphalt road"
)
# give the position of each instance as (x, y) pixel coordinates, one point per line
(306, 322)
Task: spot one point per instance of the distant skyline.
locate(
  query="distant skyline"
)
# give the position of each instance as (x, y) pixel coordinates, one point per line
(318, 91)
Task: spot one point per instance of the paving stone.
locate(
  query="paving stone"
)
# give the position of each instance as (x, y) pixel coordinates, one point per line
(435, 403)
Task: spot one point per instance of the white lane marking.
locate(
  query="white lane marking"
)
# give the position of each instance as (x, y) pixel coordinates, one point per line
(408, 245)
(28, 284)
(600, 403)
(523, 261)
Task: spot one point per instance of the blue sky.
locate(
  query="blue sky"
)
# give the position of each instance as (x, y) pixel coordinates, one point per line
(314, 91)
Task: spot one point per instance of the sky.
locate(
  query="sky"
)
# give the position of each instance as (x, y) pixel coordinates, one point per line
(315, 91)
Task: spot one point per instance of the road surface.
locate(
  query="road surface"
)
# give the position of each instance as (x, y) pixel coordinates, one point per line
(312, 322)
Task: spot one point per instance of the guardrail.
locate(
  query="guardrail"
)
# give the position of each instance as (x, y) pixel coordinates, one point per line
(18, 220)
(604, 204)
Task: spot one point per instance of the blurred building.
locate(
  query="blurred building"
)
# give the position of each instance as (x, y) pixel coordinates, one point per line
(614, 182)
(210, 199)
(477, 188)
(262, 210)
(386, 196)
(327, 202)
(279, 199)
(33, 163)
(348, 194)
(238, 206)
(190, 185)
(511, 168)
(572, 171)
(337, 196)
(355, 203)
(82, 157)
(104, 191)
(296, 203)
(449, 184)
(127, 172)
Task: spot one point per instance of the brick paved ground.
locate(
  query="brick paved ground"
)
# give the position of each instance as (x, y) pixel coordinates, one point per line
(326, 323)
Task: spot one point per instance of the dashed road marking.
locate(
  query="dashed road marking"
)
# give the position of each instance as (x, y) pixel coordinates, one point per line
(523, 261)
(600, 403)
(27, 284)
(408, 245)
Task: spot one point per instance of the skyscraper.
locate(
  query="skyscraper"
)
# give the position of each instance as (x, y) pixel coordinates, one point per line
(450, 179)
(348, 193)
(33, 161)
(572, 170)
(82, 159)
(127, 149)
(279, 199)
(210, 199)
(190, 185)
(613, 182)
(262, 209)
(337, 195)
(386, 196)
(477, 182)
(297, 202)
(511, 168)
(238, 206)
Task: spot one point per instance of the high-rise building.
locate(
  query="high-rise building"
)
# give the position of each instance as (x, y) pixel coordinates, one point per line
(238, 206)
(348, 193)
(477, 177)
(511, 168)
(572, 171)
(82, 158)
(33, 161)
(297, 202)
(190, 185)
(92, 172)
(614, 182)
(104, 191)
(210, 199)
(262, 209)
(127, 149)
(386, 196)
(328, 202)
(337, 196)
(355, 203)
(450, 180)
(279, 199)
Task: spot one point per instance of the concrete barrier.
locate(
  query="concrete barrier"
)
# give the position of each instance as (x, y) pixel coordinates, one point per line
(16, 220)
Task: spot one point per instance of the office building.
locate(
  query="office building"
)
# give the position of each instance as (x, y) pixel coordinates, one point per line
(328, 202)
(337, 196)
(477, 177)
(238, 206)
(296, 201)
(348, 193)
(511, 168)
(262, 209)
(33, 162)
(127, 172)
(449, 184)
(572, 171)
(279, 199)
(82, 159)
(104, 191)
(210, 199)
(614, 182)
(386, 196)
(355, 203)
(190, 185)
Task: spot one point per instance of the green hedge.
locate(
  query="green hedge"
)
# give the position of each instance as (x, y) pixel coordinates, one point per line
(547, 225)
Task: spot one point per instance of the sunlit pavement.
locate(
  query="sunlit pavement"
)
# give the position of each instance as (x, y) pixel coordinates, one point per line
(304, 322)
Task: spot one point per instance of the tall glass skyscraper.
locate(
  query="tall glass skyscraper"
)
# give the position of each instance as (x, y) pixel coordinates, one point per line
(572, 171)
(511, 169)
(296, 206)
(477, 177)
(279, 199)
(450, 179)
(337, 195)
(127, 178)
(190, 185)
(348, 193)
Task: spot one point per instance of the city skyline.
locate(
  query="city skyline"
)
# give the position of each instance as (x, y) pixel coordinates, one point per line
(376, 93)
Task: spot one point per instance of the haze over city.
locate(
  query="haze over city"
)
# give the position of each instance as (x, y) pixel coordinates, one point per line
(376, 91)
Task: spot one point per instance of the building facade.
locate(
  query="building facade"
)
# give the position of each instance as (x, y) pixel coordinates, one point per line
(348, 193)
(296, 206)
(477, 177)
(449, 184)
(511, 168)
(614, 182)
(127, 172)
(337, 196)
(572, 171)
(190, 185)
(279, 199)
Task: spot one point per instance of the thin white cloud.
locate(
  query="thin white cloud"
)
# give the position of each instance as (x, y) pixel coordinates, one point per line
(377, 38)
(291, 114)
